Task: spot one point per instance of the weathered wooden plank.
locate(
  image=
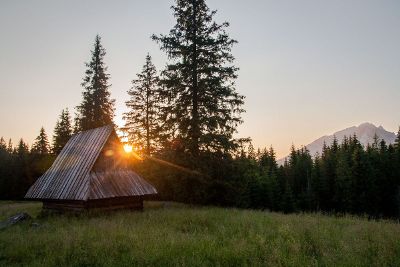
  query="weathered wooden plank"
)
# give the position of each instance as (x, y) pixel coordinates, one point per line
(69, 175)
(65, 179)
(81, 171)
(72, 165)
(109, 184)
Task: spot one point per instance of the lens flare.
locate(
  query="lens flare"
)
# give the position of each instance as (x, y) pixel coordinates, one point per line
(128, 148)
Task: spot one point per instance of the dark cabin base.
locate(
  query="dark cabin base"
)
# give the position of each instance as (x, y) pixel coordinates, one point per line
(118, 203)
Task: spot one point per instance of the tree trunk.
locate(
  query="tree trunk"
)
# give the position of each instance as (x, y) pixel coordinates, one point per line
(147, 122)
(195, 113)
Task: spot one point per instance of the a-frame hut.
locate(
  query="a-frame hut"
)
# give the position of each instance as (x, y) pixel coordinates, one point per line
(90, 172)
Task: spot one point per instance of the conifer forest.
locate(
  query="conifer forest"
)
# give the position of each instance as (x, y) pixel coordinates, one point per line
(182, 120)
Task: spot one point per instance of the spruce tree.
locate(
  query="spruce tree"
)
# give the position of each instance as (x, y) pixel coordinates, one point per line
(62, 131)
(267, 161)
(397, 141)
(343, 184)
(251, 154)
(41, 145)
(3, 145)
(272, 158)
(288, 201)
(327, 170)
(97, 107)
(396, 175)
(22, 150)
(4, 156)
(199, 79)
(22, 177)
(10, 147)
(142, 121)
(316, 183)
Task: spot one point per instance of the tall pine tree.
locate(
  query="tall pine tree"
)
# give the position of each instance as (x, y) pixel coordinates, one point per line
(203, 103)
(97, 107)
(62, 131)
(142, 120)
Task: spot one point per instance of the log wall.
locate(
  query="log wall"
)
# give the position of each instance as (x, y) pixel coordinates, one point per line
(134, 203)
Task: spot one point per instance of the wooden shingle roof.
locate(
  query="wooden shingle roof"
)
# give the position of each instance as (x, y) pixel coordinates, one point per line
(72, 177)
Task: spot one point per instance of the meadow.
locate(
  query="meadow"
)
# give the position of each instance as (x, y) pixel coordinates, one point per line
(171, 234)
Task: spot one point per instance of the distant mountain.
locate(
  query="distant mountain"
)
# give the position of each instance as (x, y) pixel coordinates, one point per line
(365, 133)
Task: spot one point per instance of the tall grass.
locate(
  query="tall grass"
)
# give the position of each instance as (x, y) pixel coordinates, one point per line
(178, 235)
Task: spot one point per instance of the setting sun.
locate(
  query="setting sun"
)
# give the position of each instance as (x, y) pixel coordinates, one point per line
(128, 148)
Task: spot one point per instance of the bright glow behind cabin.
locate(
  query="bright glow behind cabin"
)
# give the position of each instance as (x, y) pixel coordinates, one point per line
(127, 148)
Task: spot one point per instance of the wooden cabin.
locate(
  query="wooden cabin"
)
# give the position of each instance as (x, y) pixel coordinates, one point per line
(91, 173)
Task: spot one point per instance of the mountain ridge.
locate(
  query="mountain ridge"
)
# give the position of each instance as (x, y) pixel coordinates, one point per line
(365, 133)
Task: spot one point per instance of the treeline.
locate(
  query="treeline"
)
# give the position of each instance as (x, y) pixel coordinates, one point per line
(345, 178)
(182, 120)
(20, 165)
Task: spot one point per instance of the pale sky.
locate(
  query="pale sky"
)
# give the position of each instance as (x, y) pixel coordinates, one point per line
(307, 68)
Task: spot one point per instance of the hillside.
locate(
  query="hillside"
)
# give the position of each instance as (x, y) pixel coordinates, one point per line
(168, 234)
(365, 133)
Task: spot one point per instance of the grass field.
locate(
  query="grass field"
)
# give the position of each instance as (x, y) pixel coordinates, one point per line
(179, 235)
